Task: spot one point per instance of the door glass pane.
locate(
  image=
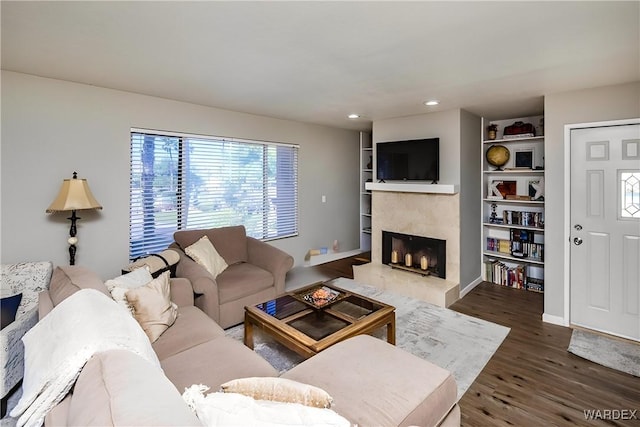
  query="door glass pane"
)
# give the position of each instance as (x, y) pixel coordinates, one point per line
(630, 196)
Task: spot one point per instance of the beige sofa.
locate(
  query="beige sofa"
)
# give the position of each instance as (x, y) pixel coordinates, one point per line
(255, 274)
(372, 382)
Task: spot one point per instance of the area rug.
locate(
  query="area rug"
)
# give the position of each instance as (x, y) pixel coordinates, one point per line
(610, 352)
(459, 343)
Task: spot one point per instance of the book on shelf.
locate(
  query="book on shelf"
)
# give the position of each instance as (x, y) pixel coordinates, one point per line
(501, 274)
(520, 245)
(524, 218)
(513, 276)
(498, 245)
(518, 136)
(535, 284)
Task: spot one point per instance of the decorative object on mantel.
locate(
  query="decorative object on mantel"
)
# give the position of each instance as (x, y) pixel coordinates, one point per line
(492, 131)
(498, 156)
(74, 195)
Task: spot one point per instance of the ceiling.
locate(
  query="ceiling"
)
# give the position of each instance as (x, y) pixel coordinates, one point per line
(320, 61)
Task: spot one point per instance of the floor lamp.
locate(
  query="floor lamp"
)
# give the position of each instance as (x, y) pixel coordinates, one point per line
(74, 195)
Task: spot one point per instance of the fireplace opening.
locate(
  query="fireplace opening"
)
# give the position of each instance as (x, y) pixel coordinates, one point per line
(417, 254)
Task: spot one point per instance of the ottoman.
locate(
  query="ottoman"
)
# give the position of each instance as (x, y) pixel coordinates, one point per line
(374, 383)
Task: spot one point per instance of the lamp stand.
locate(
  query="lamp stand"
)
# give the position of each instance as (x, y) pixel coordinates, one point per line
(74, 195)
(73, 239)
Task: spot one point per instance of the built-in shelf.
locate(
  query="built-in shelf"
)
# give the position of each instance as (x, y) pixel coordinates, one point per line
(524, 167)
(366, 174)
(515, 201)
(513, 258)
(516, 172)
(519, 227)
(412, 187)
(508, 140)
(331, 256)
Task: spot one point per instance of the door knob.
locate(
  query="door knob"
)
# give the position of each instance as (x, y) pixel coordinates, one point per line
(577, 227)
(577, 241)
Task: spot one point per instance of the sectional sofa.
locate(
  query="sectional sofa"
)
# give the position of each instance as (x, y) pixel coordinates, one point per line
(372, 382)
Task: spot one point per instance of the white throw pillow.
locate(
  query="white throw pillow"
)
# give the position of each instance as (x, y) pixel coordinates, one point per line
(207, 256)
(119, 286)
(279, 390)
(152, 306)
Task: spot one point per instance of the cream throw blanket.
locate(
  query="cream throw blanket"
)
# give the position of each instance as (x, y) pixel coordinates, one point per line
(57, 348)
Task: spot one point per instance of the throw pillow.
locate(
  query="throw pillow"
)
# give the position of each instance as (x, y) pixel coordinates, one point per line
(152, 306)
(119, 286)
(227, 409)
(279, 390)
(207, 256)
(8, 309)
(65, 281)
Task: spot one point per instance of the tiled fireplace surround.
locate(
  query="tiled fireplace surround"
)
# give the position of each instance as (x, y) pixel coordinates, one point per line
(421, 214)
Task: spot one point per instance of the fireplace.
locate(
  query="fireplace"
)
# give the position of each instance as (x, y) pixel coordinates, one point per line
(417, 254)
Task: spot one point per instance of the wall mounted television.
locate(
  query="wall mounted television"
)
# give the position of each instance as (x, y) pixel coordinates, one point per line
(412, 160)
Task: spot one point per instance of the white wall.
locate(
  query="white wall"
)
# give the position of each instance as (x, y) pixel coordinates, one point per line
(583, 106)
(51, 128)
(470, 193)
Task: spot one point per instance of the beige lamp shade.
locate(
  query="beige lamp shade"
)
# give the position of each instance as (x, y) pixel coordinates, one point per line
(74, 195)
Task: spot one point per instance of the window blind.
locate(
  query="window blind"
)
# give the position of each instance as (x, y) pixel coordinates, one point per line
(181, 182)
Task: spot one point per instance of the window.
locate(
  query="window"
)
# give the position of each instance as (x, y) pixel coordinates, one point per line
(629, 194)
(181, 182)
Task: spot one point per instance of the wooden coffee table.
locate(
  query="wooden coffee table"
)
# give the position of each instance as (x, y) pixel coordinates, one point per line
(308, 326)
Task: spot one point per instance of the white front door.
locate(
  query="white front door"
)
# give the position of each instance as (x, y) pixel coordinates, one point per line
(605, 229)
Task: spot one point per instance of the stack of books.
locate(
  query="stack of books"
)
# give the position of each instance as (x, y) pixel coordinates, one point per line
(524, 218)
(514, 276)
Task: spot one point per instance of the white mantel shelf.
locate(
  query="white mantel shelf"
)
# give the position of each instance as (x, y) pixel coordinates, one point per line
(412, 187)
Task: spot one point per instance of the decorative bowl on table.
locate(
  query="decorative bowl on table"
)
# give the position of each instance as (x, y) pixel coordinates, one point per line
(321, 296)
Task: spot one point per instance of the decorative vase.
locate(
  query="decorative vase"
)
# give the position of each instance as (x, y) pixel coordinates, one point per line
(492, 134)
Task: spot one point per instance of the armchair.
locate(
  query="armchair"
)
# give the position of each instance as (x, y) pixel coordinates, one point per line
(28, 278)
(255, 274)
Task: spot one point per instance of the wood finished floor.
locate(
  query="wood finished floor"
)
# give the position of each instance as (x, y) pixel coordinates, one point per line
(531, 380)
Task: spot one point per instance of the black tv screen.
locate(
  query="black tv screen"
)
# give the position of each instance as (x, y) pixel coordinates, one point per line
(413, 160)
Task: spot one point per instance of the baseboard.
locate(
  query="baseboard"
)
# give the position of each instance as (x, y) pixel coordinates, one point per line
(556, 320)
(470, 287)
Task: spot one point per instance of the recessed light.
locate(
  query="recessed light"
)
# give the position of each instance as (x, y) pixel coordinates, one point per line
(432, 102)
(354, 116)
